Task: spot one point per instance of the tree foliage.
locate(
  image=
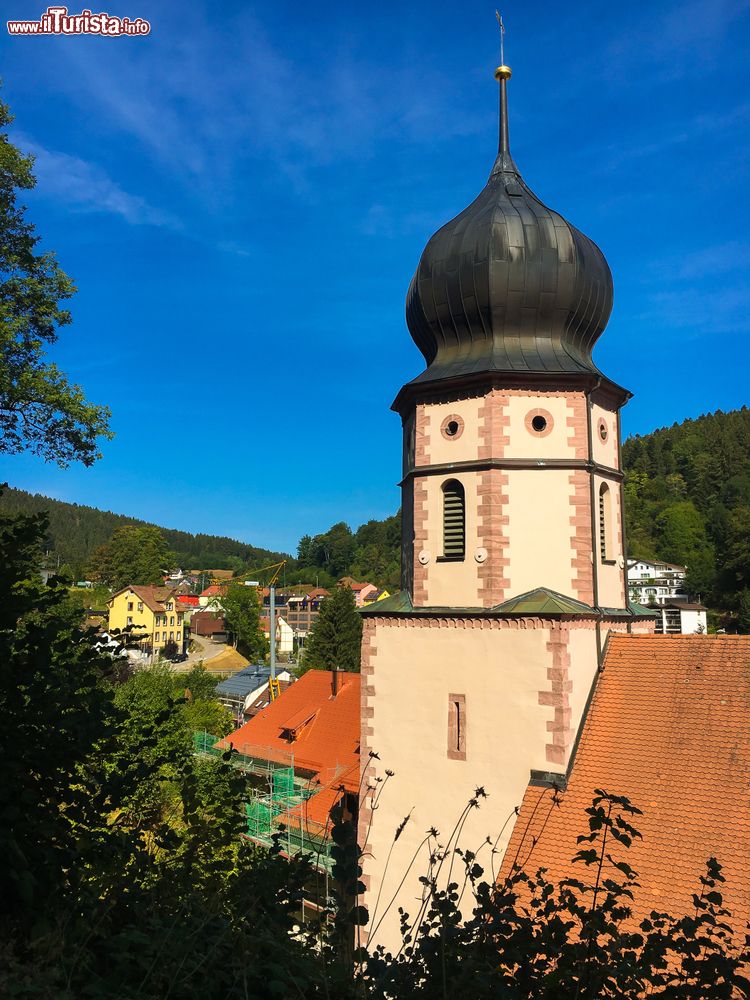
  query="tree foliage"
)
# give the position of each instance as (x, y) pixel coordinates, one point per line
(372, 553)
(687, 500)
(242, 615)
(124, 874)
(133, 555)
(335, 639)
(76, 531)
(40, 410)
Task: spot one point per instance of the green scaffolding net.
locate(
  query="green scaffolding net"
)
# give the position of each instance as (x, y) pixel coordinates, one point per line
(283, 784)
(258, 815)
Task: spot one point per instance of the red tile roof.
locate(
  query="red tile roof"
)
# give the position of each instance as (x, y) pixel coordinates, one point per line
(215, 590)
(152, 597)
(328, 746)
(207, 623)
(668, 727)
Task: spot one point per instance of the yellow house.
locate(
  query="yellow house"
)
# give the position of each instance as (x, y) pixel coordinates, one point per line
(375, 596)
(153, 608)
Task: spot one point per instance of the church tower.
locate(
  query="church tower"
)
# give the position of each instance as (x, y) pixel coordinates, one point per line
(513, 552)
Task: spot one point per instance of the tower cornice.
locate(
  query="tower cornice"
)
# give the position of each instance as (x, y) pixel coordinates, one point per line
(599, 388)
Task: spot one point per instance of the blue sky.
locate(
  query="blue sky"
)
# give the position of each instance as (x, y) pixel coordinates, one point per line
(243, 195)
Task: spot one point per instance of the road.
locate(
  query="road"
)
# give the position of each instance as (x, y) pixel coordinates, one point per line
(204, 650)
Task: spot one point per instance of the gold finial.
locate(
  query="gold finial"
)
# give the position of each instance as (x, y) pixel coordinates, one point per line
(502, 72)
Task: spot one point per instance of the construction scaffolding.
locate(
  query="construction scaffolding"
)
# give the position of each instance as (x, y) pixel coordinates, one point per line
(275, 806)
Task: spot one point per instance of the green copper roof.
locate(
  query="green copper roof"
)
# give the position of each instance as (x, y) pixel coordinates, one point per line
(396, 602)
(641, 611)
(540, 601)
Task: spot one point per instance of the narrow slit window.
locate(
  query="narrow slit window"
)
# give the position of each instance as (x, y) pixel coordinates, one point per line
(605, 517)
(456, 727)
(454, 520)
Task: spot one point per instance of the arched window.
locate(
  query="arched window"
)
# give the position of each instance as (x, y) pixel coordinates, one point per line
(454, 520)
(605, 522)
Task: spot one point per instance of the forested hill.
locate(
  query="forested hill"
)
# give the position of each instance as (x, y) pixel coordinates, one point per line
(687, 496)
(75, 531)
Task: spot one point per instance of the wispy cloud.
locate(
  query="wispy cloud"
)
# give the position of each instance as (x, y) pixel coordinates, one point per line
(85, 187)
(217, 94)
(692, 29)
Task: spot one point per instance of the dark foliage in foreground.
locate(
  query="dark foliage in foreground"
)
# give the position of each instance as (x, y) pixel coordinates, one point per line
(123, 872)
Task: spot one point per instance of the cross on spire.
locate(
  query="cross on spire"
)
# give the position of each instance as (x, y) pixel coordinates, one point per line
(499, 17)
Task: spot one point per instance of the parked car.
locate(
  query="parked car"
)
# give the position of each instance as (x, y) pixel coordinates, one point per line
(179, 658)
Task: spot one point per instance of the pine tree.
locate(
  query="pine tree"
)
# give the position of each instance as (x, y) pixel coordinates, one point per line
(336, 637)
(743, 612)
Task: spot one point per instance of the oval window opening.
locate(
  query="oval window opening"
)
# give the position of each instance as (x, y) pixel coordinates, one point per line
(538, 423)
(451, 428)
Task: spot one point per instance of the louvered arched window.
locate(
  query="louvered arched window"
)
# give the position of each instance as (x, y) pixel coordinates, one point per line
(454, 520)
(605, 520)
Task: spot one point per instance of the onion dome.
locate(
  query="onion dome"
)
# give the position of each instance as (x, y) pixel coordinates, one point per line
(508, 285)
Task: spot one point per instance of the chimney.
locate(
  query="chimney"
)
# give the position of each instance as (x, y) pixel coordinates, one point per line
(335, 681)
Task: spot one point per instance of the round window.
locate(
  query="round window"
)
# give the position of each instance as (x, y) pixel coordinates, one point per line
(452, 427)
(603, 432)
(539, 423)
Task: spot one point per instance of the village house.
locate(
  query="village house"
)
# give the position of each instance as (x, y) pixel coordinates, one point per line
(656, 582)
(247, 692)
(300, 757)
(153, 612)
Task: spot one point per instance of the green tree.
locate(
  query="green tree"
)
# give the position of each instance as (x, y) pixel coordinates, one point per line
(133, 555)
(40, 410)
(242, 615)
(335, 639)
(737, 553)
(743, 612)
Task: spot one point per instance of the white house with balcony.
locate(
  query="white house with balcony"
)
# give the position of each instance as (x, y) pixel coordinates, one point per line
(656, 582)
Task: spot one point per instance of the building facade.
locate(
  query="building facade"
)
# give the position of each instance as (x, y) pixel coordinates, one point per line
(153, 612)
(655, 582)
(513, 568)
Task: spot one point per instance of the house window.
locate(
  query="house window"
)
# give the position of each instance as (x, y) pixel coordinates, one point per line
(129, 620)
(605, 521)
(168, 606)
(171, 619)
(454, 520)
(140, 605)
(130, 605)
(171, 636)
(457, 727)
(178, 636)
(180, 616)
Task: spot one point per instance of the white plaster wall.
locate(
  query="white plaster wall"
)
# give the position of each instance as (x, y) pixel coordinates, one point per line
(583, 655)
(526, 444)
(452, 584)
(691, 621)
(539, 531)
(605, 452)
(462, 449)
(611, 579)
(500, 672)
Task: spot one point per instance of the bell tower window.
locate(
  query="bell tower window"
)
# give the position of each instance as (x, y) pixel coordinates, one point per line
(605, 523)
(454, 521)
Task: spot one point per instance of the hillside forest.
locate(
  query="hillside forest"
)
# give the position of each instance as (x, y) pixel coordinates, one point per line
(687, 496)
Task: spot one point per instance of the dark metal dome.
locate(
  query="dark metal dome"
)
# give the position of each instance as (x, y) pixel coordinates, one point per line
(508, 285)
